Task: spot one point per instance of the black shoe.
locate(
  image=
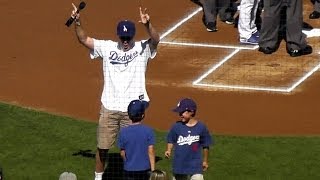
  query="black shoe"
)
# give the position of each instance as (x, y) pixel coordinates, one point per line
(211, 27)
(314, 15)
(267, 50)
(229, 21)
(296, 53)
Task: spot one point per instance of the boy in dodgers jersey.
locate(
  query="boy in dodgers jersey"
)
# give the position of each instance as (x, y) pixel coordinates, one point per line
(124, 67)
(188, 137)
(136, 143)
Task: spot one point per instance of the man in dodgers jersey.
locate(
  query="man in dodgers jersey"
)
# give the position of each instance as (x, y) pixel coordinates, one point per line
(188, 137)
(124, 67)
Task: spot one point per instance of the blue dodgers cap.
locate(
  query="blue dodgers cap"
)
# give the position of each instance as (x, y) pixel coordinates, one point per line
(137, 107)
(186, 104)
(126, 28)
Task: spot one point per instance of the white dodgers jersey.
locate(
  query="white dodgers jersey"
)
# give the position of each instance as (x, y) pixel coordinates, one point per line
(124, 72)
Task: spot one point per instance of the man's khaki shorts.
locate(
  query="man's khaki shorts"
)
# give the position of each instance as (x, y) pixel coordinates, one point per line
(109, 126)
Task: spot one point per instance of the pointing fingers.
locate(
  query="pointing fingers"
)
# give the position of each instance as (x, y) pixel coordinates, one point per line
(74, 13)
(74, 7)
(144, 16)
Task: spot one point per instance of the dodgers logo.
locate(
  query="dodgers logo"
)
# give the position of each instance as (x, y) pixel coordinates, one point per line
(125, 28)
(125, 58)
(187, 140)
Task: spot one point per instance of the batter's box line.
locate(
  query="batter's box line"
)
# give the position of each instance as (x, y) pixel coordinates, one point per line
(237, 49)
(197, 82)
(210, 45)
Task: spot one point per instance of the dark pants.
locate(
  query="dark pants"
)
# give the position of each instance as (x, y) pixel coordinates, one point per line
(316, 5)
(212, 8)
(137, 175)
(271, 23)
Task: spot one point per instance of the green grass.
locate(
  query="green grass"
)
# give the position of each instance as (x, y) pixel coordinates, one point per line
(39, 146)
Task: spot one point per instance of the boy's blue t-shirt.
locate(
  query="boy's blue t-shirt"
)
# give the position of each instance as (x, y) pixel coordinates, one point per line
(135, 140)
(188, 143)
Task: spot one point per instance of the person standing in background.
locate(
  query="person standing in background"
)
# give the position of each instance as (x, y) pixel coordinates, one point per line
(247, 28)
(296, 43)
(211, 9)
(316, 10)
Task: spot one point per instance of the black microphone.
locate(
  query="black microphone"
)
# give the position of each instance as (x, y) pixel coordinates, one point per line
(82, 5)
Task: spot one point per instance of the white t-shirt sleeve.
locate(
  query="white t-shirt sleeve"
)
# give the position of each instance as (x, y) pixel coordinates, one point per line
(99, 49)
(149, 53)
(153, 53)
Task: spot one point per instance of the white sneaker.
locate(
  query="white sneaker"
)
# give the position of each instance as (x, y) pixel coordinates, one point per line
(98, 176)
(253, 40)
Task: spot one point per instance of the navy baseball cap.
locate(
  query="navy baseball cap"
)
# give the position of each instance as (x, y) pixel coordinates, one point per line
(126, 28)
(186, 104)
(137, 108)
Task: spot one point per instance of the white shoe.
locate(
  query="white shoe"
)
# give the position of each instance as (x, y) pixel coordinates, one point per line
(253, 40)
(98, 176)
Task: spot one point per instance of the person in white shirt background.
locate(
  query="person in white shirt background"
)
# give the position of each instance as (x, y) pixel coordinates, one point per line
(247, 28)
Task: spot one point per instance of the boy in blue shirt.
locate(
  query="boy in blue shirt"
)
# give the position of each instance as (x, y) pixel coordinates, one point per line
(136, 143)
(188, 137)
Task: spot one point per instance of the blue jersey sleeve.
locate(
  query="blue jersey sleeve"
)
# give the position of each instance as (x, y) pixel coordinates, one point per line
(151, 138)
(206, 139)
(172, 136)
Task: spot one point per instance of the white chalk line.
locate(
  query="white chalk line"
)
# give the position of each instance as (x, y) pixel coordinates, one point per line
(225, 59)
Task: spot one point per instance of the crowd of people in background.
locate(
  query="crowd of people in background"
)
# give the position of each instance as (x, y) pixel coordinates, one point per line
(263, 23)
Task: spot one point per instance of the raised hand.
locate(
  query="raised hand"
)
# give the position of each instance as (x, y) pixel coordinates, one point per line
(145, 18)
(75, 13)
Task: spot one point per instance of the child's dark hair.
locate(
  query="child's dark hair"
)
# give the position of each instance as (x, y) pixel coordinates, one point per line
(193, 114)
(136, 117)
